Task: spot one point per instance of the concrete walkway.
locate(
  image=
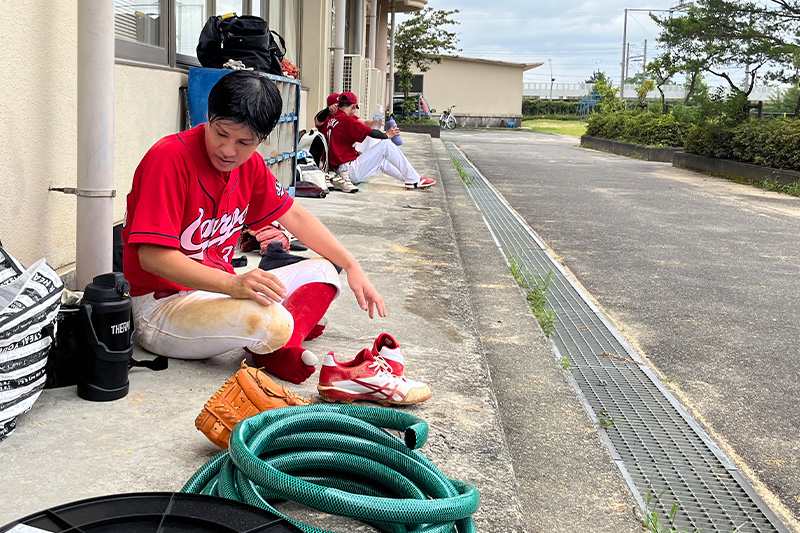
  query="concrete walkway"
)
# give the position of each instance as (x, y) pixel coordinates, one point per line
(502, 416)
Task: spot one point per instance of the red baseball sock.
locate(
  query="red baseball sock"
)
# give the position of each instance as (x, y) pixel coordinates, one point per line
(307, 305)
(315, 332)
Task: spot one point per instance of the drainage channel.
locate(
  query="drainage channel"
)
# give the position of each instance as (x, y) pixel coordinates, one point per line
(665, 457)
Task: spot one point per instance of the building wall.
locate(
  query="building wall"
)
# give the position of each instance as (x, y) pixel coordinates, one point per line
(39, 133)
(139, 120)
(475, 88)
(315, 68)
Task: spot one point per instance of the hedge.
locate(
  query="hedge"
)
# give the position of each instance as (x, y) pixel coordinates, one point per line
(770, 143)
(549, 107)
(650, 129)
(564, 118)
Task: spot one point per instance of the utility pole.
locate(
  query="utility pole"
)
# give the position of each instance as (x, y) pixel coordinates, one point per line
(644, 58)
(624, 42)
(627, 65)
(682, 5)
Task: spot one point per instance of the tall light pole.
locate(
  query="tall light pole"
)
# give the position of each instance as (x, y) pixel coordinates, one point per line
(552, 79)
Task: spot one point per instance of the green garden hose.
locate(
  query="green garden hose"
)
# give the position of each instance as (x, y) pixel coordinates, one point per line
(337, 459)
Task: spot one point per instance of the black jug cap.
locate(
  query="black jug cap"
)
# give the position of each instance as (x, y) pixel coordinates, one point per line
(108, 287)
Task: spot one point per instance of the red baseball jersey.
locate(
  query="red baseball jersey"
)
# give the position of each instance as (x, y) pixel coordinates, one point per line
(179, 200)
(342, 132)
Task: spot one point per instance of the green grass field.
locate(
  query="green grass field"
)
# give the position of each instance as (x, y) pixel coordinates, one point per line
(563, 127)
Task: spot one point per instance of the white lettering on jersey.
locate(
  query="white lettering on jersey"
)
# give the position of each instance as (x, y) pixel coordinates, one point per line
(331, 124)
(201, 234)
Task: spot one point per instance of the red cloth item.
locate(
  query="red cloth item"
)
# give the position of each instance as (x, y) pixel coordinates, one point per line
(179, 200)
(289, 70)
(315, 332)
(307, 305)
(342, 132)
(333, 98)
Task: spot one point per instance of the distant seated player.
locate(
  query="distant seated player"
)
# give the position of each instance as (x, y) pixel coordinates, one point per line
(343, 130)
(191, 195)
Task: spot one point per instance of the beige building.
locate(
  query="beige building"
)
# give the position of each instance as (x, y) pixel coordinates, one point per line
(91, 102)
(484, 93)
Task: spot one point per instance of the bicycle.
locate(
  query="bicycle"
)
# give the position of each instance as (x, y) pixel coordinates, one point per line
(447, 120)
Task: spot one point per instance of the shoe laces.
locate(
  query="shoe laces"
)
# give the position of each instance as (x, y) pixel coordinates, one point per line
(382, 367)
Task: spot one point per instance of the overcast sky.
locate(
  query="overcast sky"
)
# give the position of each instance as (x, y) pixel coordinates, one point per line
(574, 37)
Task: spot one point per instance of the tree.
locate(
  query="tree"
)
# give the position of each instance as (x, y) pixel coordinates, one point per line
(641, 92)
(784, 102)
(609, 102)
(598, 76)
(662, 69)
(719, 36)
(418, 43)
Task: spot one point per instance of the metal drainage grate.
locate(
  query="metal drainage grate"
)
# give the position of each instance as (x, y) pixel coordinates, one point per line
(663, 454)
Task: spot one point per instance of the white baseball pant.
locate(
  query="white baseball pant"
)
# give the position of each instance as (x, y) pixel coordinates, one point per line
(382, 156)
(202, 324)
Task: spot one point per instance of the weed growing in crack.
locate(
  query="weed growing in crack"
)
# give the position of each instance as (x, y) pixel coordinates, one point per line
(535, 287)
(465, 177)
(653, 523)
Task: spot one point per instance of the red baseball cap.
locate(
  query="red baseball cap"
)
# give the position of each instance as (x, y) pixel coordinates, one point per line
(333, 98)
(348, 98)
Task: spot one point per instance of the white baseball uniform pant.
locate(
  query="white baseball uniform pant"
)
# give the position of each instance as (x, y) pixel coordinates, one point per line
(202, 324)
(382, 156)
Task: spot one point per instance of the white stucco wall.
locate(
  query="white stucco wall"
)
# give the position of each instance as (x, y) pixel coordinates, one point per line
(147, 107)
(475, 88)
(38, 62)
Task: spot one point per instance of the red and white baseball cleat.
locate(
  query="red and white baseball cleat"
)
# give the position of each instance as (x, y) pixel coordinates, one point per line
(368, 378)
(386, 347)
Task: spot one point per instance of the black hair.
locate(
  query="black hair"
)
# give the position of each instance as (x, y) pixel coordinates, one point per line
(245, 97)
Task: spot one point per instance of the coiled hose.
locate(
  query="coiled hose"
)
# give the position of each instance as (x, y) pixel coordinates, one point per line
(345, 465)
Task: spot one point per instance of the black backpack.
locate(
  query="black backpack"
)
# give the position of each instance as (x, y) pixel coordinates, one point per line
(247, 39)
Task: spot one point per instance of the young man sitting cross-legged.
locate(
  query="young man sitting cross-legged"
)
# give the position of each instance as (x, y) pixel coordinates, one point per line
(191, 195)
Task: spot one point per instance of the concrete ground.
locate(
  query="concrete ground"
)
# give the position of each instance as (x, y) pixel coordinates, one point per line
(502, 415)
(698, 273)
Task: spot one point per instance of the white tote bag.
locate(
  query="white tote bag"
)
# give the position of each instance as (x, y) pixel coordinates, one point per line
(29, 302)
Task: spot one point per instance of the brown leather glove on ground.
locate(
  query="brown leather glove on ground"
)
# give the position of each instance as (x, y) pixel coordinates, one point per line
(248, 392)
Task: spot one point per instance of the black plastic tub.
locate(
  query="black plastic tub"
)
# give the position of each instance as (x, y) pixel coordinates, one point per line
(151, 512)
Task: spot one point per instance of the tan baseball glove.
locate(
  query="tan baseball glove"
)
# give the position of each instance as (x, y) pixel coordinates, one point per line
(248, 392)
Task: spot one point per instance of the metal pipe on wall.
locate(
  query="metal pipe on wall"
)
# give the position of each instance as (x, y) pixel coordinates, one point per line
(339, 24)
(95, 206)
(390, 93)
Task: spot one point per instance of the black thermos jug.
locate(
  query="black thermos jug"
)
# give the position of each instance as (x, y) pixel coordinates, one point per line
(107, 317)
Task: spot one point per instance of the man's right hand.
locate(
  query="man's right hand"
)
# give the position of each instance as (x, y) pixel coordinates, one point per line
(169, 263)
(259, 285)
